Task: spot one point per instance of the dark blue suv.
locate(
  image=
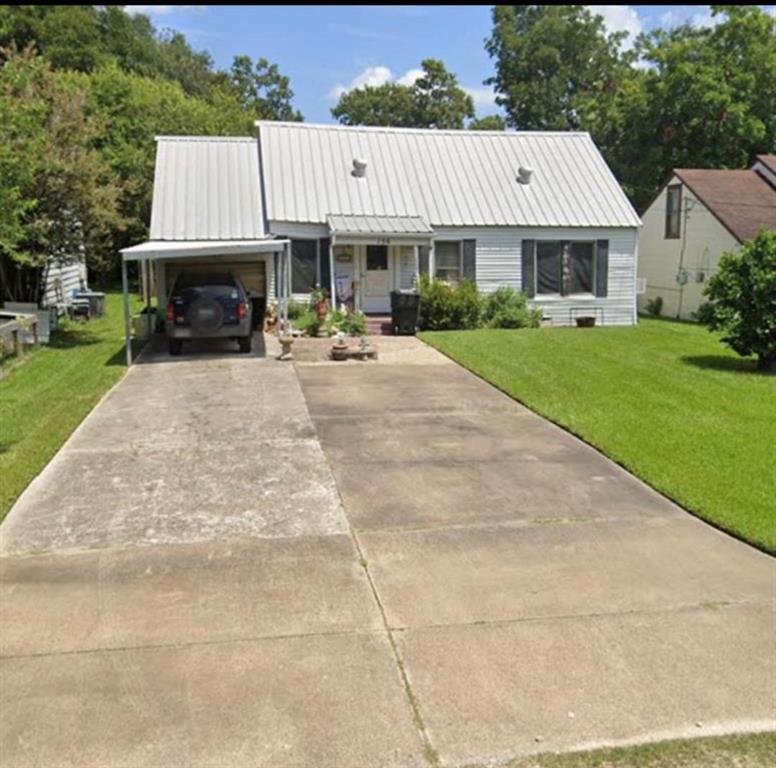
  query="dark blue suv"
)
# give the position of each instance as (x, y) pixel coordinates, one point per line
(208, 305)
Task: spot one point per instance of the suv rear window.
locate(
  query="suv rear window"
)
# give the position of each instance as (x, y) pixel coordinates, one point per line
(214, 285)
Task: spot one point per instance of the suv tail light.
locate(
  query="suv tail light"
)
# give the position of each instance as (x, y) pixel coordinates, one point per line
(242, 310)
(171, 312)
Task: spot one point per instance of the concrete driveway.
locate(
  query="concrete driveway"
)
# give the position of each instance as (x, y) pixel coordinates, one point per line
(239, 562)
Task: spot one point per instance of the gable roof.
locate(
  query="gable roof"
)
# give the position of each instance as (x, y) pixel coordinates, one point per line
(450, 178)
(769, 161)
(207, 188)
(742, 200)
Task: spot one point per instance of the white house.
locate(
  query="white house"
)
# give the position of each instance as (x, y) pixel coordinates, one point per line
(361, 211)
(698, 216)
(367, 209)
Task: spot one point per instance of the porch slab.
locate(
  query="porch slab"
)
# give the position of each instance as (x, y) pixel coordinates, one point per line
(183, 594)
(334, 701)
(498, 573)
(490, 692)
(434, 494)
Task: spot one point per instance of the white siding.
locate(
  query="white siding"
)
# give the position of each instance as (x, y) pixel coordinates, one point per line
(499, 255)
(702, 238)
(61, 280)
(405, 264)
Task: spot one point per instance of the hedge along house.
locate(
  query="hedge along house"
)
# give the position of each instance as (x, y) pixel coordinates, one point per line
(207, 215)
(368, 209)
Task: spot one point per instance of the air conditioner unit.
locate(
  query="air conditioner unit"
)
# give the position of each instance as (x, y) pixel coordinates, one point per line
(641, 286)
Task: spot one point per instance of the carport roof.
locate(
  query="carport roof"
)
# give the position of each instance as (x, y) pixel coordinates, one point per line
(180, 249)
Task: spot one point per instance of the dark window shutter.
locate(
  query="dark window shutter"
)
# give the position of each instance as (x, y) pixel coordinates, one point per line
(325, 264)
(601, 267)
(423, 259)
(528, 262)
(470, 260)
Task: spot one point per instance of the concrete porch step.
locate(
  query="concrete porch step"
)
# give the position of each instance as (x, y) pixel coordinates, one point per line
(379, 325)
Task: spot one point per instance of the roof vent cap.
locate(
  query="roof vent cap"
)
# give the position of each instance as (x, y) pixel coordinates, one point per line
(359, 168)
(524, 174)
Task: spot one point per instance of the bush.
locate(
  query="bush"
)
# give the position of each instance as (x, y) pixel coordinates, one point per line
(296, 309)
(444, 307)
(655, 306)
(308, 322)
(743, 299)
(508, 308)
(349, 322)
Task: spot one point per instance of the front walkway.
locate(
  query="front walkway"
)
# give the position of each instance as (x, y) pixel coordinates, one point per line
(185, 585)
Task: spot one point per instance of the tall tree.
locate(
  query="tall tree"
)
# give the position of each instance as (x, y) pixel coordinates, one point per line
(60, 198)
(434, 100)
(488, 123)
(263, 90)
(549, 60)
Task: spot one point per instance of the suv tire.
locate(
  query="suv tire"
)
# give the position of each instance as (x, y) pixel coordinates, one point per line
(245, 343)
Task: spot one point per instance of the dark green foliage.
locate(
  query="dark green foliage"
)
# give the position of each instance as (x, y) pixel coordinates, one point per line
(350, 322)
(446, 307)
(434, 100)
(743, 300)
(655, 306)
(706, 99)
(508, 308)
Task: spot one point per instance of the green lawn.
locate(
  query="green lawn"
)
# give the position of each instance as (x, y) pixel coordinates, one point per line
(746, 751)
(45, 397)
(665, 399)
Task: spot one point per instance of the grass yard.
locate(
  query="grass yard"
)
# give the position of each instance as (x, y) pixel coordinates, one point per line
(665, 399)
(745, 751)
(45, 397)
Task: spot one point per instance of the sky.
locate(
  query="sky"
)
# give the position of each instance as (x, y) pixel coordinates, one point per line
(326, 50)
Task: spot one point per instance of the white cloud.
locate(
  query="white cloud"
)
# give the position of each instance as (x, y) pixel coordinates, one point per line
(161, 10)
(374, 77)
(620, 18)
(482, 97)
(410, 76)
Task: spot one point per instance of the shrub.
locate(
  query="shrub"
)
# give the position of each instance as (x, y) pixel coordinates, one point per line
(350, 322)
(308, 322)
(508, 308)
(655, 306)
(705, 313)
(444, 307)
(743, 299)
(296, 309)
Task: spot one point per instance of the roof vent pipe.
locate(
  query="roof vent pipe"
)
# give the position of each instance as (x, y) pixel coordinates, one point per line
(359, 168)
(524, 174)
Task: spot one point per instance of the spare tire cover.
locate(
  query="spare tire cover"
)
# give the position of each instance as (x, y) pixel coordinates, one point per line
(205, 315)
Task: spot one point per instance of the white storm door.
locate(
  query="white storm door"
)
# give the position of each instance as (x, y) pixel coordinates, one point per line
(377, 279)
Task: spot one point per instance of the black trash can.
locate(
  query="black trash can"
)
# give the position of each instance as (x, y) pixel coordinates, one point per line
(405, 306)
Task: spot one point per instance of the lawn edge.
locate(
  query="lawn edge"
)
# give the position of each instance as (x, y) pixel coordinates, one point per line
(761, 547)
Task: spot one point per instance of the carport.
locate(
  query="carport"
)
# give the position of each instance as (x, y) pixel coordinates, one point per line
(155, 257)
(208, 212)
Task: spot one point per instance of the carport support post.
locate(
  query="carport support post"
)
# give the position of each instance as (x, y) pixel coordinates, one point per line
(284, 274)
(333, 277)
(127, 328)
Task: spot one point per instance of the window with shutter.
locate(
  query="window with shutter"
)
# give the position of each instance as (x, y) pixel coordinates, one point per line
(447, 260)
(673, 211)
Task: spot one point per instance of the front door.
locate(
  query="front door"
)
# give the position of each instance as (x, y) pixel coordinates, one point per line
(377, 279)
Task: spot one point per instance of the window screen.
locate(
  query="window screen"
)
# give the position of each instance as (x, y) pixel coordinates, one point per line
(673, 210)
(581, 267)
(304, 265)
(548, 267)
(447, 260)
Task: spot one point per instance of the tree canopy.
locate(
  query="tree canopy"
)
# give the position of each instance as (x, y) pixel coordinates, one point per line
(83, 92)
(685, 97)
(434, 100)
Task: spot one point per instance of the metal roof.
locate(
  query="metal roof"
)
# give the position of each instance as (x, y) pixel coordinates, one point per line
(206, 188)
(450, 178)
(385, 225)
(181, 249)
